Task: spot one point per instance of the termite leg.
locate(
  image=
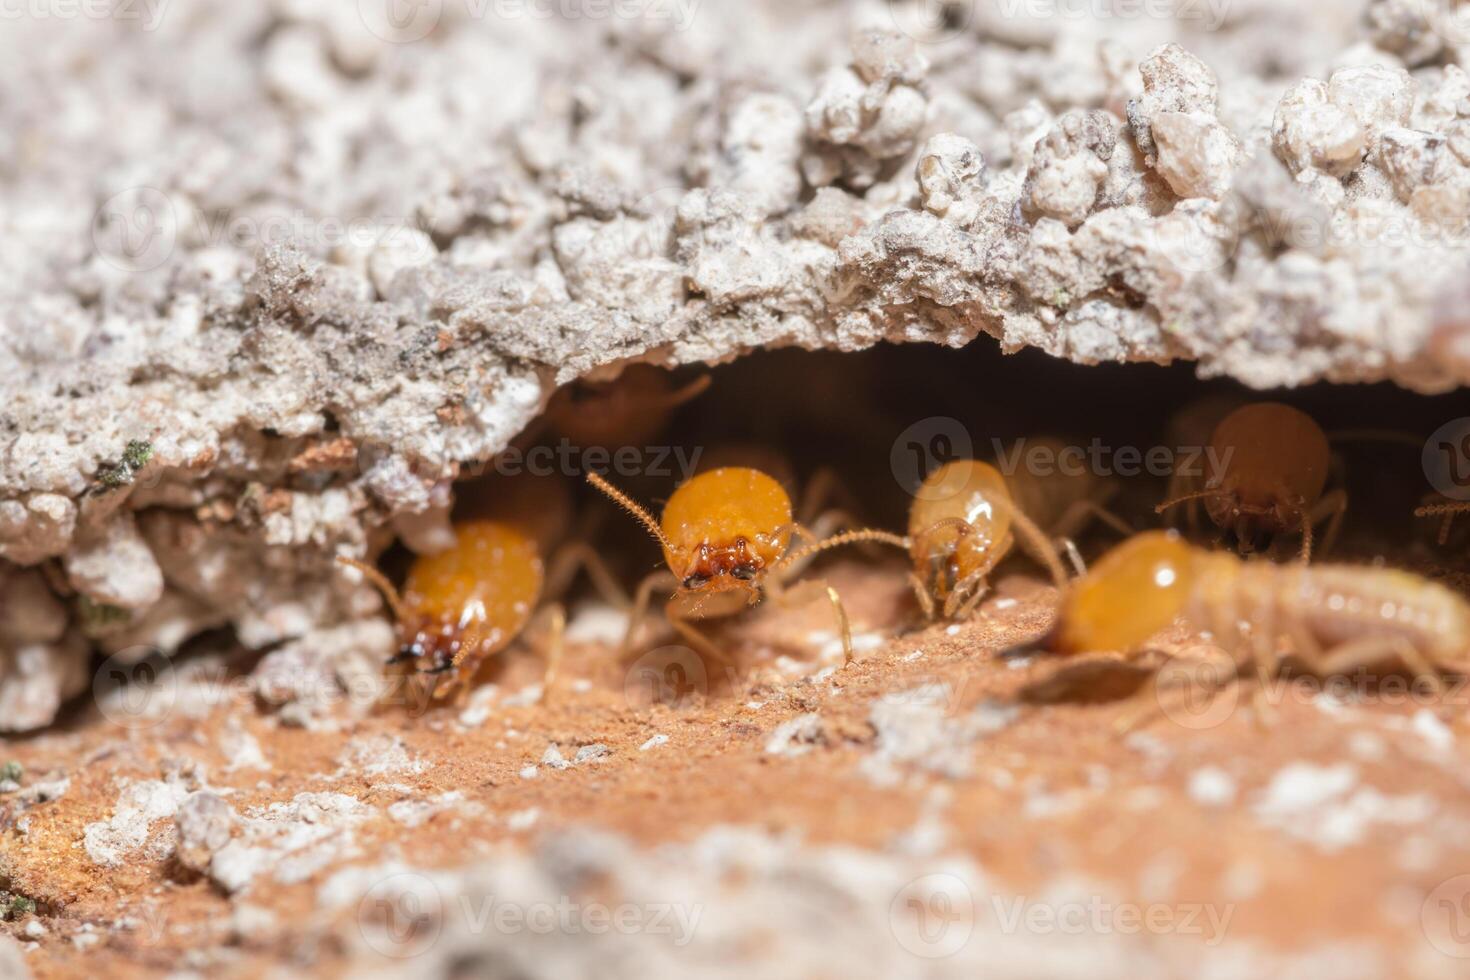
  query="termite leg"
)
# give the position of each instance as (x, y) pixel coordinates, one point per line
(556, 614)
(1035, 543)
(577, 556)
(926, 602)
(701, 643)
(1375, 649)
(1266, 669)
(1331, 508)
(795, 595)
(1074, 519)
(977, 592)
(1069, 548)
(642, 597)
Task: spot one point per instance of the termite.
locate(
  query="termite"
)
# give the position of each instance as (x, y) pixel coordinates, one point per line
(727, 537)
(471, 601)
(630, 410)
(966, 516)
(1334, 618)
(1273, 462)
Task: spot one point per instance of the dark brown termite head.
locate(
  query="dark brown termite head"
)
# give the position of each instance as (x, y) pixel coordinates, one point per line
(1269, 466)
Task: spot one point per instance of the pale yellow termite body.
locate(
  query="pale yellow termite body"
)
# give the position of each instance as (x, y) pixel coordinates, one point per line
(1335, 618)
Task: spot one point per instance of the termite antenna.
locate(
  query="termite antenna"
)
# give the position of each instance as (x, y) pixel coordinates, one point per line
(1186, 498)
(1448, 511)
(838, 540)
(627, 503)
(944, 522)
(688, 393)
(395, 601)
(1041, 547)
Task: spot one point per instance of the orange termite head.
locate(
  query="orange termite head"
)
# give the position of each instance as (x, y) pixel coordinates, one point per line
(467, 602)
(1131, 593)
(1274, 462)
(721, 530)
(959, 524)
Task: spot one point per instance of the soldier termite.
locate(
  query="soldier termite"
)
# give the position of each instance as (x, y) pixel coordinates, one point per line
(471, 601)
(727, 537)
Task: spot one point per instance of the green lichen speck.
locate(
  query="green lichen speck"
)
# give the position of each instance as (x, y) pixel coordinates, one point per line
(16, 906)
(134, 458)
(12, 772)
(100, 618)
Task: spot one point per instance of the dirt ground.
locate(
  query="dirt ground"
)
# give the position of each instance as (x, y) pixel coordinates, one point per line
(1320, 820)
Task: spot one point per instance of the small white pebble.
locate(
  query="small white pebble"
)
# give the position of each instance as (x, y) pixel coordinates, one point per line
(1005, 602)
(552, 757)
(528, 695)
(1367, 746)
(592, 753)
(755, 705)
(1428, 726)
(523, 819)
(1017, 663)
(530, 772)
(911, 657)
(1212, 786)
(952, 630)
(35, 929)
(581, 685)
(653, 743)
(1301, 786)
